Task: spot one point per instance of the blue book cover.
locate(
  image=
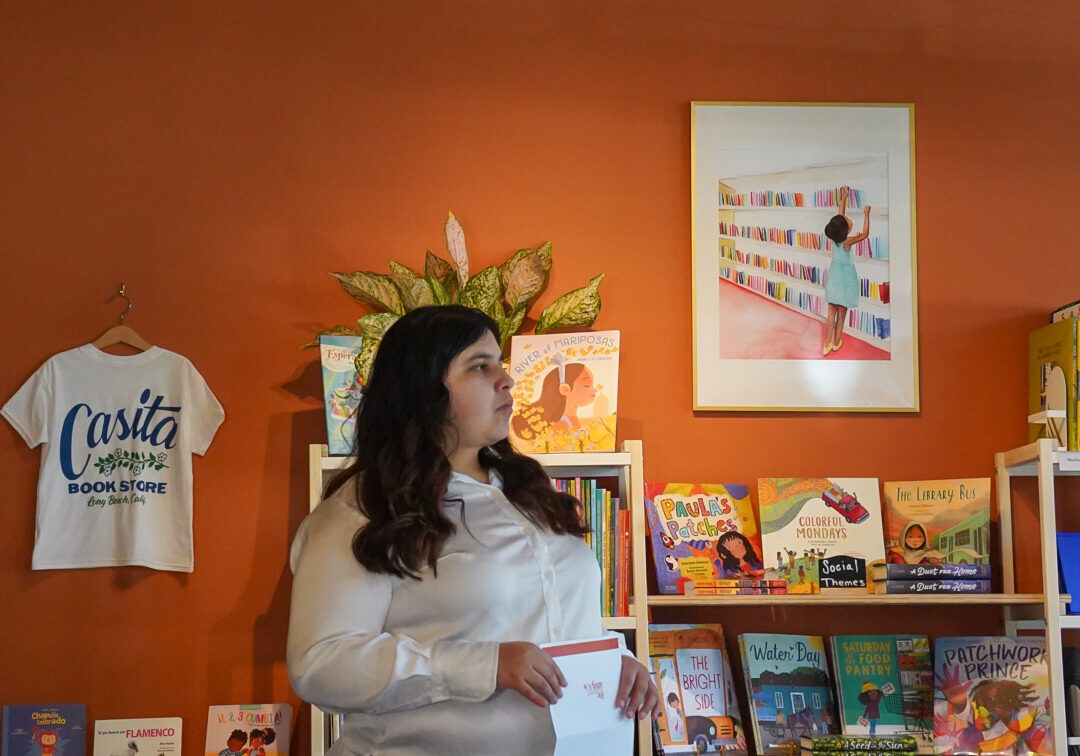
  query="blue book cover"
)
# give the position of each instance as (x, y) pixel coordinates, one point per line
(342, 390)
(44, 729)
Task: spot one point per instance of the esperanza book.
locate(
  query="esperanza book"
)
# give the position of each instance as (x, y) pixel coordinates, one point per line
(44, 729)
(885, 685)
(700, 712)
(342, 390)
(565, 391)
(991, 696)
(823, 535)
(789, 689)
(938, 522)
(702, 532)
(248, 729)
(160, 736)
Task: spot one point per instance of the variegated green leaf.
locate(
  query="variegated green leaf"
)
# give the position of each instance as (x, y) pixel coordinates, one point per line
(544, 250)
(373, 326)
(509, 326)
(415, 289)
(374, 288)
(335, 331)
(455, 245)
(524, 278)
(438, 268)
(366, 359)
(576, 308)
(441, 293)
(481, 290)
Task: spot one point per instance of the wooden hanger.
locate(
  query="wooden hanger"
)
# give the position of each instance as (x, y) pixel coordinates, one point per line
(121, 334)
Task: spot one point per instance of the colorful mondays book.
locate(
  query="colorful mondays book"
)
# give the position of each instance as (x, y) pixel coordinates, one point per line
(991, 696)
(248, 730)
(789, 689)
(565, 391)
(44, 729)
(700, 712)
(932, 522)
(702, 531)
(885, 685)
(821, 534)
(138, 737)
(341, 389)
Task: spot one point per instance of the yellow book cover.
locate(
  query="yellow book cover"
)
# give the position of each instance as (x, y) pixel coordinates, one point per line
(1052, 377)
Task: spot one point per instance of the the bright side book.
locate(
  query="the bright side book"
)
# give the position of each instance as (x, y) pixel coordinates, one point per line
(153, 736)
(248, 729)
(937, 521)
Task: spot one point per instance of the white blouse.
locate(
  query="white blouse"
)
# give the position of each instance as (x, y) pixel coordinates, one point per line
(412, 664)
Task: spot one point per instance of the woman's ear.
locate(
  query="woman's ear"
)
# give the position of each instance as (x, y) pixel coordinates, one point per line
(564, 389)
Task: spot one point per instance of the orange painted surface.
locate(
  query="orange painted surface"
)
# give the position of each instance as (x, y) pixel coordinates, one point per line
(219, 159)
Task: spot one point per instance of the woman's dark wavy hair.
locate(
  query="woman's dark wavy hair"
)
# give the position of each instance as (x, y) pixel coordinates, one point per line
(401, 471)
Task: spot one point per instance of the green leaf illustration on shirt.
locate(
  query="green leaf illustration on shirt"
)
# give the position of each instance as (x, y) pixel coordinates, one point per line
(134, 461)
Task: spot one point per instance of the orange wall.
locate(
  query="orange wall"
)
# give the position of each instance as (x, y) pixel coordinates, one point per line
(220, 158)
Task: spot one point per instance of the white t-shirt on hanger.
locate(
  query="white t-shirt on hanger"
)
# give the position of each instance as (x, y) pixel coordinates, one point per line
(115, 484)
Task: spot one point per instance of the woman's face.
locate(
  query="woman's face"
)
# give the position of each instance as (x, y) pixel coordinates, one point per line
(480, 402)
(915, 538)
(583, 391)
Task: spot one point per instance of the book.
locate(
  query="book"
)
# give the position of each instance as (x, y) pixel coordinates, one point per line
(248, 729)
(342, 389)
(1052, 378)
(44, 730)
(565, 391)
(1068, 550)
(160, 736)
(928, 571)
(825, 532)
(1070, 310)
(991, 696)
(701, 532)
(700, 712)
(861, 743)
(932, 585)
(942, 522)
(885, 686)
(789, 689)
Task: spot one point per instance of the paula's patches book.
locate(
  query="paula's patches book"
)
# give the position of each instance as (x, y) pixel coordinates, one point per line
(159, 736)
(789, 689)
(702, 531)
(44, 729)
(248, 730)
(565, 392)
(700, 712)
(342, 390)
(885, 685)
(930, 522)
(991, 696)
(821, 534)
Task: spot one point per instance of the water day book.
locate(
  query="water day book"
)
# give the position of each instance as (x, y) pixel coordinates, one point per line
(789, 689)
(885, 685)
(991, 696)
(938, 522)
(821, 534)
(44, 729)
(701, 531)
(158, 736)
(565, 391)
(248, 729)
(700, 712)
(342, 390)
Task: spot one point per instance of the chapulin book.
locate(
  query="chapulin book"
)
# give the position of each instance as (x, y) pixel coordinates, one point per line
(789, 688)
(248, 730)
(342, 389)
(700, 713)
(160, 736)
(702, 531)
(44, 729)
(938, 522)
(991, 696)
(823, 535)
(565, 391)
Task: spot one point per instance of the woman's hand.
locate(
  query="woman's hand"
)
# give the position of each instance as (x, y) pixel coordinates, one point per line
(636, 691)
(530, 670)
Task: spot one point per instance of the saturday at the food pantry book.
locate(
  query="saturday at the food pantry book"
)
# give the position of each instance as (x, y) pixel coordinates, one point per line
(937, 521)
(248, 730)
(565, 391)
(44, 729)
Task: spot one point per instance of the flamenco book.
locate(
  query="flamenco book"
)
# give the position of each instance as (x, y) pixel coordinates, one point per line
(44, 729)
(248, 730)
(938, 522)
(138, 737)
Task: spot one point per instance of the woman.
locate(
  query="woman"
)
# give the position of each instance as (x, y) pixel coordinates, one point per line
(438, 561)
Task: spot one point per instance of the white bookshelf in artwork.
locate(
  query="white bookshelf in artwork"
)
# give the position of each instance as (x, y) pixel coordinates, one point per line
(783, 257)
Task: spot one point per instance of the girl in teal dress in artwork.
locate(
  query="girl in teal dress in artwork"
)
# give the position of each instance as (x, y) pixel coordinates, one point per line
(841, 282)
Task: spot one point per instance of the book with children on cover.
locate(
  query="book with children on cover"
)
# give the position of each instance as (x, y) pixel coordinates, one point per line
(565, 391)
(248, 730)
(937, 522)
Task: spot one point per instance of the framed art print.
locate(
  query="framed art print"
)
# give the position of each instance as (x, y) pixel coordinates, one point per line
(796, 309)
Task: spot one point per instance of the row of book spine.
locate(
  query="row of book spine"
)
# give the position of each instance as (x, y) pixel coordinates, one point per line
(931, 578)
(609, 521)
(875, 291)
(873, 248)
(773, 198)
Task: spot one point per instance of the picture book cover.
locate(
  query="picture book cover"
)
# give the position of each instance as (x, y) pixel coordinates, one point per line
(1052, 378)
(789, 689)
(248, 730)
(156, 736)
(44, 729)
(565, 391)
(342, 390)
(885, 684)
(702, 531)
(822, 534)
(932, 522)
(991, 696)
(700, 713)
